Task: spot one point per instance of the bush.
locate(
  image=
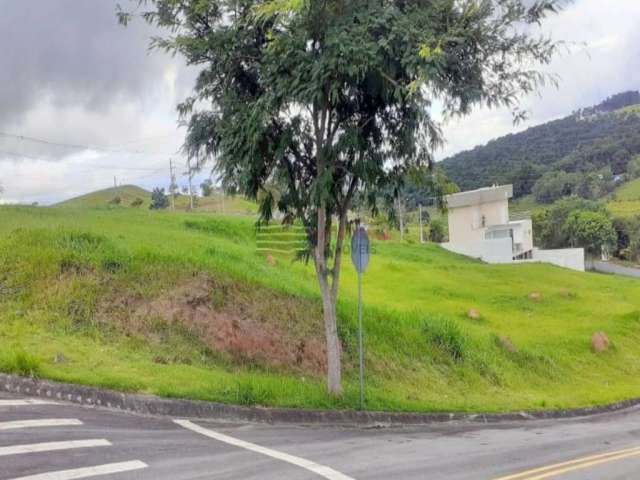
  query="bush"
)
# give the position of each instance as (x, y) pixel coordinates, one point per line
(159, 200)
(115, 201)
(447, 336)
(437, 230)
(137, 202)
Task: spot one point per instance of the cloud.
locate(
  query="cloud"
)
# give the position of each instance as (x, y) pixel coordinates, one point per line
(603, 58)
(73, 52)
(71, 74)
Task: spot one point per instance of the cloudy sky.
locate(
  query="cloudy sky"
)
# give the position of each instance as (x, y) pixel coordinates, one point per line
(70, 75)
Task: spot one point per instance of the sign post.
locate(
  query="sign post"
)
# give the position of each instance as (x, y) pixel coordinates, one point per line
(360, 258)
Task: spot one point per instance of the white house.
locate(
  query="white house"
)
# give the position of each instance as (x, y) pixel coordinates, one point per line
(480, 227)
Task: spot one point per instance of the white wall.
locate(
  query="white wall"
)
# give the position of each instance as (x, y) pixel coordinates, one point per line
(572, 258)
(499, 251)
(465, 223)
(491, 251)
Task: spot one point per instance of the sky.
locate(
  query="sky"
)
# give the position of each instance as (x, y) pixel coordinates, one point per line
(70, 75)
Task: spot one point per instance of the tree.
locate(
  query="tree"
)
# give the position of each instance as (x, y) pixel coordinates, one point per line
(591, 230)
(207, 187)
(159, 200)
(554, 185)
(628, 237)
(523, 179)
(327, 98)
(548, 224)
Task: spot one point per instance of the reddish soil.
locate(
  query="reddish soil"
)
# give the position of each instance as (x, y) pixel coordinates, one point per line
(247, 324)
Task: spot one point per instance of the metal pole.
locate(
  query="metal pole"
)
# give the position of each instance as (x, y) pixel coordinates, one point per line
(360, 341)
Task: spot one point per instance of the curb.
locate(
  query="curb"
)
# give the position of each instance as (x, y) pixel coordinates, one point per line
(152, 405)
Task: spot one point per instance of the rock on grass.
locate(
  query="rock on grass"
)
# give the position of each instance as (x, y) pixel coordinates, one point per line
(600, 342)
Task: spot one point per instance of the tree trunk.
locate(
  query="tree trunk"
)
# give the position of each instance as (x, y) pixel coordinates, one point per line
(334, 368)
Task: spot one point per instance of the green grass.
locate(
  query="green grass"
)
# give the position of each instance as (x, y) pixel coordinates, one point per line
(525, 205)
(629, 208)
(70, 283)
(629, 191)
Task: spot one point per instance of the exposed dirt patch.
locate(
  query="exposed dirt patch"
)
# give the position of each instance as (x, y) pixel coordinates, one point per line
(252, 325)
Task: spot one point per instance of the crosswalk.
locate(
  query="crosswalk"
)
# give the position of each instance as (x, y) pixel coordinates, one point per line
(14, 449)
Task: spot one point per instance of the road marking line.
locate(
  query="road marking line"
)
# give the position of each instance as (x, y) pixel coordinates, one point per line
(578, 463)
(23, 402)
(47, 422)
(106, 469)
(52, 446)
(321, 470)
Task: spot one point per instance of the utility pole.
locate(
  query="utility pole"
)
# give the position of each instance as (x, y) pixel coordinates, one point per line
(401, 218)
(172, 185)
(190, 175)
(115, 183)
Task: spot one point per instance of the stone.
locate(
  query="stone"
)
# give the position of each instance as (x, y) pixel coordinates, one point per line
(600, 342)
(506, 344)
(535, 296)
(473, 314)
(59, 358)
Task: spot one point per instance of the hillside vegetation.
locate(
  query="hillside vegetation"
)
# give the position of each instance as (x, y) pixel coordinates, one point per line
(181, 305)
(600, 140)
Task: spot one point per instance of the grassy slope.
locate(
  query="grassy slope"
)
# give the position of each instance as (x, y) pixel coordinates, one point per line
(627, 199)
(423, 354)
(128, 193)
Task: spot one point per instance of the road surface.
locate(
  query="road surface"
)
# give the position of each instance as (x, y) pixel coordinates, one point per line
(57, 441)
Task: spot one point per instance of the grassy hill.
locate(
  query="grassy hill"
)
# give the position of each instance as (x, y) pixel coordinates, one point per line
(216, 203)
(181, 305)
(101, 198)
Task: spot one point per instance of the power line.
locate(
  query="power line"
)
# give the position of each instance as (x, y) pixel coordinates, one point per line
(69, 145)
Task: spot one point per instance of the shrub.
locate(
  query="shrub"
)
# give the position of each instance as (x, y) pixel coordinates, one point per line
(115, 200)
(248, 393)
(447, 336)
(437, 230)
(22, 363)
(137, 202)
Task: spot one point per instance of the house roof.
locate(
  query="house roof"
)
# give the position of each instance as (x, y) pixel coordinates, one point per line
(481, 195)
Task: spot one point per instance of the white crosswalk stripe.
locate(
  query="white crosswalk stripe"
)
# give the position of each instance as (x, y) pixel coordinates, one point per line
(46, 422)
(87, 472)
(52, 446)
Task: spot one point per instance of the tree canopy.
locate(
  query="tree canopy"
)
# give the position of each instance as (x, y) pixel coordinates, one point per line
(327, 98)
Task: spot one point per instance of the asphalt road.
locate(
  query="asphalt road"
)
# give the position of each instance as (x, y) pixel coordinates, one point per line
(40, 441)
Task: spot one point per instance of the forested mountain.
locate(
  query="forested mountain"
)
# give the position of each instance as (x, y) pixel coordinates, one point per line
(584, 153)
